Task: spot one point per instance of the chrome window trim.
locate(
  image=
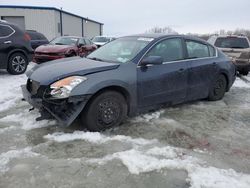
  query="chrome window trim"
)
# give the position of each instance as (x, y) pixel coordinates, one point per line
(13, 31)
(183, 60)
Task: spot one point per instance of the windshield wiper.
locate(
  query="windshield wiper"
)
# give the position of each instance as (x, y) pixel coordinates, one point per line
(95, 58)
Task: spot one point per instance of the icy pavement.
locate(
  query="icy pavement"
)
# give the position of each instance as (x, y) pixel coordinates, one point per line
(199, 145)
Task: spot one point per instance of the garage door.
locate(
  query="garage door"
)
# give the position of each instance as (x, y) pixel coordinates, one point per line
(18, 20)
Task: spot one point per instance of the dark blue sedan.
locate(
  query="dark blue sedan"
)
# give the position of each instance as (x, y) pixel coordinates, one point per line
(129, 76)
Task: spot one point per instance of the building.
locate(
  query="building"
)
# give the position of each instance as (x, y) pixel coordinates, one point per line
(50, 21)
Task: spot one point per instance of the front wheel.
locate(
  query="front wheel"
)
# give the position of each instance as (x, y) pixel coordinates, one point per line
(218, 88)
(17, 64)
(108, 109)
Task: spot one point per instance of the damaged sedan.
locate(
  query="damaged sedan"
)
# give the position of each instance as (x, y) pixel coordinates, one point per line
(127, 77)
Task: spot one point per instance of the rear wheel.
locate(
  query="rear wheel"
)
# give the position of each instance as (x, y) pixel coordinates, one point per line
(17, 64)
(244, 72)
(218, 89)
(108, 109)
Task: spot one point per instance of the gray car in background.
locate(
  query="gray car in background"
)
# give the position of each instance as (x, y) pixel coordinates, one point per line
(236, 47)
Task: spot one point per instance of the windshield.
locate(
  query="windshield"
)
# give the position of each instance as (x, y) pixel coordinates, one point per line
(100, 39)
(231, 42)
(121, 50)
(64, 41)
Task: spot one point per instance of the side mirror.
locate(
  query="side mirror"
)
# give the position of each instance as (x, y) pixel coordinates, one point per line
(152, 60)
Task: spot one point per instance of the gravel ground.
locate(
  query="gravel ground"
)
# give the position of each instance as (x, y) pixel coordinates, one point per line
(200, 145)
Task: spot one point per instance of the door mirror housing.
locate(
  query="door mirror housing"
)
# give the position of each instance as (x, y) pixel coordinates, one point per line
(152, 60)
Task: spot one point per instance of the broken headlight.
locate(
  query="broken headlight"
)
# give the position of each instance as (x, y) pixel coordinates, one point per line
(62, 88)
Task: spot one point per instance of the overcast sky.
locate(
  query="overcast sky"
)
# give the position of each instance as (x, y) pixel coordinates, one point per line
(136, 16)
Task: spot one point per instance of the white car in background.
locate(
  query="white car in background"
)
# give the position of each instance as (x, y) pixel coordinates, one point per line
(101, 40)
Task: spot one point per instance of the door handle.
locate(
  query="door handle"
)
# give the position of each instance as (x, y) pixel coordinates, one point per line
(8, 42)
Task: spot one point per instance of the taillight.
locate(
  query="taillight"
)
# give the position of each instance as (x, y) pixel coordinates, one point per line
(26, 37)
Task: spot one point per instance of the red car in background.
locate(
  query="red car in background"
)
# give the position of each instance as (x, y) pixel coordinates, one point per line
(62, 47)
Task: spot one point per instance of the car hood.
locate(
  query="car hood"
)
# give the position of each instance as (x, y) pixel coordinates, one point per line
(53, 48)
(52, 71)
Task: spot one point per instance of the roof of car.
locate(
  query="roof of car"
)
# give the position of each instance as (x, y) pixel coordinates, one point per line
(164, 35)
(224, 36)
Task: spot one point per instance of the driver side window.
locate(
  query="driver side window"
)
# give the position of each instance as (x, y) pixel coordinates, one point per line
(81, 42)
(169, 50)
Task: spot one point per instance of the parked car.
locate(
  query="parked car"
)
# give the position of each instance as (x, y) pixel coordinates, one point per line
(236, 47)
(37, 39)
(15, 48)
(101, 40)
(61, 47)
(129, 76)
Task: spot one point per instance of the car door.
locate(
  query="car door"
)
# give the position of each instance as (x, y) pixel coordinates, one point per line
(165, 83)
(89, 47)
(5, 43)
(202, 68)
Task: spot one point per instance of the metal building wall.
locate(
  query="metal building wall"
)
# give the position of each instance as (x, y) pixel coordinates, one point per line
(40, 20)
(48, 22)
(71, 25)
(91, 29)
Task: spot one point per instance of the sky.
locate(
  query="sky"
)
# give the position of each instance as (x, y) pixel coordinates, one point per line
(131, 16)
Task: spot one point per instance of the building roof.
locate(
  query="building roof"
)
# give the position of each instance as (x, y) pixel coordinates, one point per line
(48, 8)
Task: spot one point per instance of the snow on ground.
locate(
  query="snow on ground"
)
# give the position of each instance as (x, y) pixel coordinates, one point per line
(144, 155)
(10, 91)
(29, 122)
(138, 160)
(5, 158)
(241, 83)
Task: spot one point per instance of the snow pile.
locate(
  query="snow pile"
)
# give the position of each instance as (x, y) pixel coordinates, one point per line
(148, 117)
(5, 158)
(27, 120)
(145, 156)
(199, 176)
(241, 83)
(6, 129)
(96, 138)
(11, 91)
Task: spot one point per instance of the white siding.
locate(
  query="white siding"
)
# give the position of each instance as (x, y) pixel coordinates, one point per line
(35, 19)
(91, 29)
(71, 25)
(46, 22)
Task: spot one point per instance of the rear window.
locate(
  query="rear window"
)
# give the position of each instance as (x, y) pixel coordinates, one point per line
(36, 36)
(231, 42)
(197, 50)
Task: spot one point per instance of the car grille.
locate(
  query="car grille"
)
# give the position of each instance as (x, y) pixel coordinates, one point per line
(46, 54)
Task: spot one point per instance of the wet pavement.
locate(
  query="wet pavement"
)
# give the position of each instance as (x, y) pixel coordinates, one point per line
(199, 144)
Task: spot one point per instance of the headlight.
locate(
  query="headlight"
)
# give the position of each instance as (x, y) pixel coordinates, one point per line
(62, 88)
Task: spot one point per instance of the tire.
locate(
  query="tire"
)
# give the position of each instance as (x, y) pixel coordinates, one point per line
(17, 64)
(244, 72)
(218, 89)
(72, 54)
(106, 110)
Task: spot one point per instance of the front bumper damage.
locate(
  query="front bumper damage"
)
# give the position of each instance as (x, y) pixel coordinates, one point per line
(65, 111)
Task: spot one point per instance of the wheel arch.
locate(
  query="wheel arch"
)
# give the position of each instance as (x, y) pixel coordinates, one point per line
(123, 91)
(17, 51)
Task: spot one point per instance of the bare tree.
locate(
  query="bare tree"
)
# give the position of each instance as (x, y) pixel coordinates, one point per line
(167, 30)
